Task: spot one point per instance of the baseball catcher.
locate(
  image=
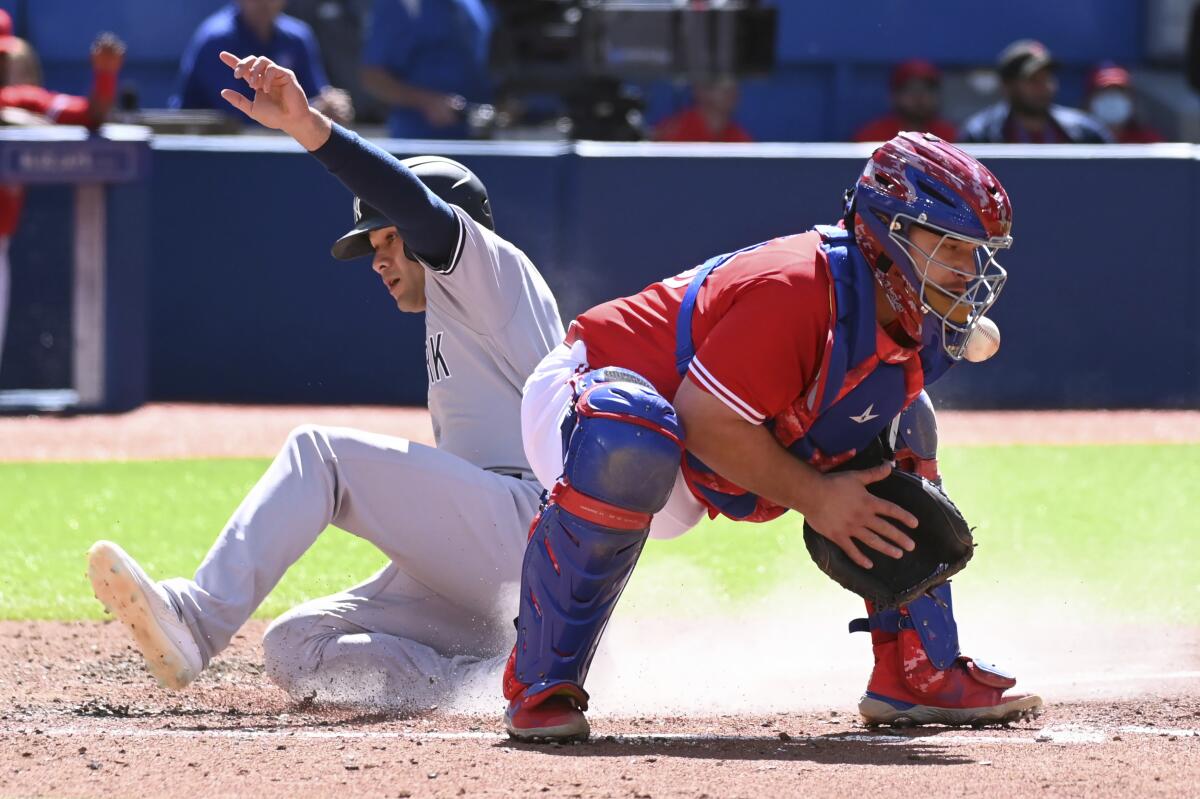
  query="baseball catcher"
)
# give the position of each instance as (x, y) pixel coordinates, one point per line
(430, 622)
(786, 375)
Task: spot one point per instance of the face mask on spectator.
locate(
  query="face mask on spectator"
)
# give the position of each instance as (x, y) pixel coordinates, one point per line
(1113, 108)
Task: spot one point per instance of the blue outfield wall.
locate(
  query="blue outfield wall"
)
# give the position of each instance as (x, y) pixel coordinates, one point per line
(247, 305)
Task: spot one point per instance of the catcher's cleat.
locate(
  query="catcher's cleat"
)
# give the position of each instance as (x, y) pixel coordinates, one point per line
(912, 692)
(556, 718)
(921, 677)
(545, 713)
(126, 592)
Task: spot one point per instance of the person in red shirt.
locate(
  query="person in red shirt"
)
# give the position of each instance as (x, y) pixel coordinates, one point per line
(916, 89)
(26, 103)
(762, 381)
(1110, 100)
(710, 118)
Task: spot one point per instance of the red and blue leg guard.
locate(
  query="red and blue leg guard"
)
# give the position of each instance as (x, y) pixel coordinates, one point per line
(623, 445)
(921, 677)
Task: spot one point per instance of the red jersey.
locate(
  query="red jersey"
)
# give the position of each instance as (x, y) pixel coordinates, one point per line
(760, 326)
(65, 109)
(888, 127)
(690, 125)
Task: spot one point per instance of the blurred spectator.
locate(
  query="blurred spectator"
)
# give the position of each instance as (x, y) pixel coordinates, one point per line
(254, 27)
(1028, 114)
(341, 30)
(1110, 100)
(709, 118)
(426, 60)
(23, 102)
(21, 65)
(916, 89)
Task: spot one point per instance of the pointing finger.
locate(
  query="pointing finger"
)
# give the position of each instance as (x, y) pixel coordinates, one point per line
(229, 59)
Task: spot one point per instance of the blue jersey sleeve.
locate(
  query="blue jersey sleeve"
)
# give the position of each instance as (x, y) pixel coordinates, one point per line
(428, 225)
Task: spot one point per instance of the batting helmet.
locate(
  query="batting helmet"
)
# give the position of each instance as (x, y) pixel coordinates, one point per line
(916, 179)
(448, 179)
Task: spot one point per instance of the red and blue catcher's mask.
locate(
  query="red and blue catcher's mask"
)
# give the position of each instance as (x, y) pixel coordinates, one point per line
(917, 180)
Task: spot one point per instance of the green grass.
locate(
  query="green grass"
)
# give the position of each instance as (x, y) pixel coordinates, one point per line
(1111, 527)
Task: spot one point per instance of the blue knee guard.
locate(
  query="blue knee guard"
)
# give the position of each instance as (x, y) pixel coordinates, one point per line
(931, 615)
(622, 448)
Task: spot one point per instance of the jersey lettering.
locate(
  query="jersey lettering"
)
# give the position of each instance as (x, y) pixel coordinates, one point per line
(435, 364)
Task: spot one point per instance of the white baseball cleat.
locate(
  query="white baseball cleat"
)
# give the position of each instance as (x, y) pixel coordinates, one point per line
(128, 593)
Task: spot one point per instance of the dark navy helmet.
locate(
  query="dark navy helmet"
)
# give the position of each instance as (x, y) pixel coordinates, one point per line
(446, 178)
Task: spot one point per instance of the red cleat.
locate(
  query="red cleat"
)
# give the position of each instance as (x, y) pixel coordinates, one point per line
(552, 715)
(907, 690)
(548, 717)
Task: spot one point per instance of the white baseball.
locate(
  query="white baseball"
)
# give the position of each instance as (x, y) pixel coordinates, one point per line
(983, 341)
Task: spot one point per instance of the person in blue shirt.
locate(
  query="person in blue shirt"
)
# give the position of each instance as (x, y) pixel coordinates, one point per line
(260, 27)
(426, 60)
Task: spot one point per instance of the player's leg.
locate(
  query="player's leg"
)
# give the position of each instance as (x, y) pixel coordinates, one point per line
(621, 444)
(387, 643)
(403, 497)
(920, 676)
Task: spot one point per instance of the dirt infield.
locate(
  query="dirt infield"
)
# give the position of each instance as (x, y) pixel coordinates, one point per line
(81, 718)
(206, 431)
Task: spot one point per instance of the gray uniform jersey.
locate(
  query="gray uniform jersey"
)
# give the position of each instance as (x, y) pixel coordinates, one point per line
(454, 533)
(489, 319)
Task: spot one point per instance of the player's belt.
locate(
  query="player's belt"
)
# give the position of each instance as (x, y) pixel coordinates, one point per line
(511, 471)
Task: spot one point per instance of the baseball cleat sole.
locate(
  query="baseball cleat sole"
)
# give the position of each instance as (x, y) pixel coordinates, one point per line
(877, 712)
(561, 734)
(126, 592)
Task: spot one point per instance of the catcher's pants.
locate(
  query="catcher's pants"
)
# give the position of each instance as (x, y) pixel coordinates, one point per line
(545, 402)
(455, 535)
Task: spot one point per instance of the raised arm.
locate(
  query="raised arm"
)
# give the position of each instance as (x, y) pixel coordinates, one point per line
(427, 224)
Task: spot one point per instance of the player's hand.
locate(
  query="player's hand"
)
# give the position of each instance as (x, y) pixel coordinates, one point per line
(847, 514)
(279, 103)
(108, 53)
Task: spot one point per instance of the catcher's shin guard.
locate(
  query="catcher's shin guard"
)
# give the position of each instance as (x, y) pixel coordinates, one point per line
(921, 677)
(623, 445)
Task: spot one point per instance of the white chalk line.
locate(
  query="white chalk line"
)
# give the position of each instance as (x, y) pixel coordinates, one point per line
(1060, 734)
(1108, 677)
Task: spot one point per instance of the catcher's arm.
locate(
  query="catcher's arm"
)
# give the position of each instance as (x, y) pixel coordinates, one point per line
(749, 456)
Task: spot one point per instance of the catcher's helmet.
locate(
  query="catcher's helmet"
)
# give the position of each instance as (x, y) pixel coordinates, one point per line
(917, 179)
(446, 178)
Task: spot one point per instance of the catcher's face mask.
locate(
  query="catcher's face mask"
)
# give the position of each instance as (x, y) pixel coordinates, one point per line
(960, 277)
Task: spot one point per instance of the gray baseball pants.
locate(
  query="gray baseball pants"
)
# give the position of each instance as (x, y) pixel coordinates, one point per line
(435, 621)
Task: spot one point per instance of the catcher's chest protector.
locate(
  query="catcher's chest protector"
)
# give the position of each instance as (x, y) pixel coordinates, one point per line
(865, 379)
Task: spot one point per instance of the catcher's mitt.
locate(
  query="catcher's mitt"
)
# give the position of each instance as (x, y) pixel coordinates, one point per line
(943, 546)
